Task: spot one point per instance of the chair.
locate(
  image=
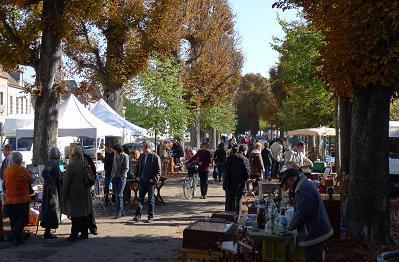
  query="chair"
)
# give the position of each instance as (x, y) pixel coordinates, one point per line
(98, 195)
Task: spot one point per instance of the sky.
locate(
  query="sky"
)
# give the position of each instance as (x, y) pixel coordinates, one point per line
(256, 23)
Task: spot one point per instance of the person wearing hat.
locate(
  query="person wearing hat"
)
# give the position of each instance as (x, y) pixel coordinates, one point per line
(50, 214)
(310, 217)
(203, 158)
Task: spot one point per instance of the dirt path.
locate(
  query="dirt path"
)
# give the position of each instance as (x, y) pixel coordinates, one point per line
(121, 240)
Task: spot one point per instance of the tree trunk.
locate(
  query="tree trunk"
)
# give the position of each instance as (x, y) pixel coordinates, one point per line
(114, 98)
(336, 139)
(195, 132)
(368, 206)
(344, 134)
(48, 78)
(212, 138)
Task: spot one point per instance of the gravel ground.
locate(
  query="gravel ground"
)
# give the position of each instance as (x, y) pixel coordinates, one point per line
(122, 240)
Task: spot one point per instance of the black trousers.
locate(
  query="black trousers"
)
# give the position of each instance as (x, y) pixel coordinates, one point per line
(79, 225)
(204, 183)
(19, 218)
(91, 222)
(233, 202)
(314, 253)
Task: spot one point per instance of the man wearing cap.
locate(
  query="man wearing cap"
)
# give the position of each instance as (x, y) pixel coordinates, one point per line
(310, 218)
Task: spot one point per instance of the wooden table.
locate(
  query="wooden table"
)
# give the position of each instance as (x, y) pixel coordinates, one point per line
(134, 186)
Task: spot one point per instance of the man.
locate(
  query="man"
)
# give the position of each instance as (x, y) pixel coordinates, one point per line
(237, 172)
(277, 156)
(148, 172)
(177, 151)
(267, 161)
(90, 217)
(7, 150)
(310, 218)
(300, 159)
(108, 162)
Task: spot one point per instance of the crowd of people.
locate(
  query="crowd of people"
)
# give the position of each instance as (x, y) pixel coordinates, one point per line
(67, 193)
(235, 165)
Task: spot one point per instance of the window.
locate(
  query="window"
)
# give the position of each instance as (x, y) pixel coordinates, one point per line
(1, 98)
(27, 106)
(11, 104)
(17, 105)
(22, 105)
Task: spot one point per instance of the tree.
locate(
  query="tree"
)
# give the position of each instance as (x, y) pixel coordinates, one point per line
(31, 32)
(255, 102)
(158, 103)
(360, 62)
(113, 47)
(222, 117)
(212, 59)
(306, 102)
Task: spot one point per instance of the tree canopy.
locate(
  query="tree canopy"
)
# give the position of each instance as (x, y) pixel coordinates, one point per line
(157, 102)
(305, 103)
(114, 46)
(255, 102)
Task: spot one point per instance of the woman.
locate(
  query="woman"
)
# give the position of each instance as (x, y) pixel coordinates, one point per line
(50, 215)
(120, 168)
(220, 159)
(203, 158)
(256, 162)
(76, 196)
(17, 180)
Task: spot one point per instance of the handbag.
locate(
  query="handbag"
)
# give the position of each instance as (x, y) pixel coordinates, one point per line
(89, 179)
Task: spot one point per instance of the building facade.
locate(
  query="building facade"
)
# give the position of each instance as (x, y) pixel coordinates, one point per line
(13, 98)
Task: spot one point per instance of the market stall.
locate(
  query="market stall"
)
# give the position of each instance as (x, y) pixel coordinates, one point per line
(104, 112)
(75, 120)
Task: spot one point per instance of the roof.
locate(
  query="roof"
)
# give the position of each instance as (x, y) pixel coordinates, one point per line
(104, 112)
(75, 120)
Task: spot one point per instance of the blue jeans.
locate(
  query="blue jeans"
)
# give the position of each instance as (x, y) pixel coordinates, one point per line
(219, 167)
(145, 188)
(118, 185)
(268, 172)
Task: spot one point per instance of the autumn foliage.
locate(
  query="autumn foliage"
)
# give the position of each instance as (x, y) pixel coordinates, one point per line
(363, 44)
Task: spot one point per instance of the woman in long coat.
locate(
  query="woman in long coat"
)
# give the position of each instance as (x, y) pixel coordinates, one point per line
(50, 215)
(76, 196)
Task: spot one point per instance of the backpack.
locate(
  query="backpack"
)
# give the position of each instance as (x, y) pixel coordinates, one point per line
(89, 178)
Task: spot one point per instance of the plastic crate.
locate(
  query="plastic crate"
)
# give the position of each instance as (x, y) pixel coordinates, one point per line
(273, 251)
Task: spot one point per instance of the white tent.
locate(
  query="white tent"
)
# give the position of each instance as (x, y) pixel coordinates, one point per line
(13, 122)
(75, 120)
(320, 131)
(104, 112)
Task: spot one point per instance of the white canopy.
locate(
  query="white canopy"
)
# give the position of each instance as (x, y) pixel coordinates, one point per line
(75, 120)
(104, 112)
(13, 122)
(320, 131)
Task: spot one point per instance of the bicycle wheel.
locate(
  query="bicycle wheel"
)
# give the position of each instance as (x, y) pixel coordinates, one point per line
(188, 187)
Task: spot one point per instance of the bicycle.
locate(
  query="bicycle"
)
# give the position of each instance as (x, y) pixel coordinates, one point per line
(191, 182)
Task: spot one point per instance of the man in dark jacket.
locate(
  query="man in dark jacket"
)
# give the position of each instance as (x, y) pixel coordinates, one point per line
(108, 162)
(148, 172)
(310, 218)
(237, 171)
(267, 161)
(90, 217)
